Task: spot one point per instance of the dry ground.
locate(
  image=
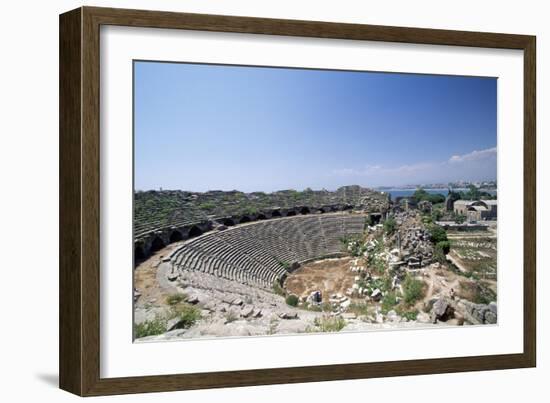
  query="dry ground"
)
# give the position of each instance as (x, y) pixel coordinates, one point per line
(330, 276)
(145, 279)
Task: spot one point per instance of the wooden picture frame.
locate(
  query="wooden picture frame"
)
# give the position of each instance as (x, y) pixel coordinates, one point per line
(79, 348)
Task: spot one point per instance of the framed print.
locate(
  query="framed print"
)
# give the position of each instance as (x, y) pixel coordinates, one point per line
(250, 201)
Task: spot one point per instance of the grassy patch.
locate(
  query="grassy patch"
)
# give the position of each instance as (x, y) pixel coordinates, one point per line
(330, 324)
(175, 299)
(277, 289)
(389, 301)
(413, 290)
(292, 300)
(409, 315)
(390, 225)
(150, 327)
(231, 317)
(476, 292)
(187, 314)
(360, 308)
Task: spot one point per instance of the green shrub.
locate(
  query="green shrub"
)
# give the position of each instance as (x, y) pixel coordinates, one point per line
(413, 290)
(438, 233)
(330, 324)
(207, 206)
(187, 314)
(359, 308)
(390, 225)
(445, 246)
(292, 300)
(277, 289)
(389, 301)
(437, 214)
(175, 299)
(284, 265)
(420, 194)
(439, 255)
(150, 327)
(427, 219)
(409, 315)
(459, 218)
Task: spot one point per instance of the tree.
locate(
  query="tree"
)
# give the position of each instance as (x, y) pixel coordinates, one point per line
(445, 246)
(421, 194)
(437, 214)
(438, 233)
(459, 218)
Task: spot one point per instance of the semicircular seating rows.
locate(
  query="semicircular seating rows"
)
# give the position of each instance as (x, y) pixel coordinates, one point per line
(260, 253)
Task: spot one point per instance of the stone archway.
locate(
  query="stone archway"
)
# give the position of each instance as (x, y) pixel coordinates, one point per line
(138, 253)
(228, 222)
(157, 244)
(261, 217)
(304, 210)
(244, 219)
(291, 213)
(375, 218)
(276, 213)
(194, 231)
(176, 236)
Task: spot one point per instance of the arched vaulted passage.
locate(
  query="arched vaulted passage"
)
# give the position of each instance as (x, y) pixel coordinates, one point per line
(304, 210)
(138, 253)
(244, 219)
(157, 244)
(291, 213)
(376, 218)
(276, 213)
(194, 231)
(228, 222)
(176, 236)
(261, 217)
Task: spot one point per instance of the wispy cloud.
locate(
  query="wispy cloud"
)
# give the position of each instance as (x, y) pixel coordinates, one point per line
(475, 155)
(476, 165)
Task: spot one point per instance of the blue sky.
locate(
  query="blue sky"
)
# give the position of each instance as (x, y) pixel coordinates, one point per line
(202, 127)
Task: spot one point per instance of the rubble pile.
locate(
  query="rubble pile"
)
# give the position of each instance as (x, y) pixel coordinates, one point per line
(412, 242)
(375, 202)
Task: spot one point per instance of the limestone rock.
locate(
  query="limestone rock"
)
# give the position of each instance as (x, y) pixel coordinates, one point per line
(490, 317)
(376, 295)
(441, 310)
(174, 324)
(423, 317)
(247, 311)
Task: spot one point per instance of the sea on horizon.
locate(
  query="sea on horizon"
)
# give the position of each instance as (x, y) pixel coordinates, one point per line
(409, 192)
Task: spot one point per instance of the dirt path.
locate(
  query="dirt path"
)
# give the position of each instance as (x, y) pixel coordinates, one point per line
(145, 279)
(439, 282)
